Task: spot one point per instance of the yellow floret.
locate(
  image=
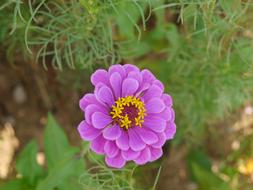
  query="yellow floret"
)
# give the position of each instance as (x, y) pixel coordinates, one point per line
(117, 111)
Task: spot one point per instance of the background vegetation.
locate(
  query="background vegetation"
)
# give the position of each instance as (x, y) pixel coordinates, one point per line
(200, 49)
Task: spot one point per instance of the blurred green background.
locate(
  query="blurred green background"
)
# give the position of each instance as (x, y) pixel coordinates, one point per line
(202, 50)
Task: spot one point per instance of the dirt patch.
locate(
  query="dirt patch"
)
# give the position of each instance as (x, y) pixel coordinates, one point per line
(28, 94)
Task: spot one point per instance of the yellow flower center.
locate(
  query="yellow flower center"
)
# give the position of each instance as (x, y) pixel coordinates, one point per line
(128, 112)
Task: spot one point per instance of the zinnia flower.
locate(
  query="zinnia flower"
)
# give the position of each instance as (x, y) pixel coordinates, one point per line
(128, 117)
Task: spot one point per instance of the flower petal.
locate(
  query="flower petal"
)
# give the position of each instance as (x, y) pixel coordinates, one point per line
(100, 120)
(143, 88)
(173, 115)
(98, 76)
(166, 114)
(147, 135)
(167, 100)
(129, 68)
(105, 95)
(90, 109)
(116, 82)
(135, 75)
(170, 130)
(123, 141)
(152, 92)
(112, 132)
(129, 87)
(116, 162)
(144, 156)
(130, 154)
(159, 84)
(155, 105)
(155, 153)
(161, 140)
(87, 132)
(147, 76)
(86, 100)
(135, 141)
(111, 150)
(97, 145)
(154, 123)
(117, 69)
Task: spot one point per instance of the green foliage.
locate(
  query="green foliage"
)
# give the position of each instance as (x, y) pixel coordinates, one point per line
(77, 33)
(14, 44)
(82, 34)
(64, 163)
(15, 184)
(69, 167)
(56, 143)
(27, 165)
(201, 172)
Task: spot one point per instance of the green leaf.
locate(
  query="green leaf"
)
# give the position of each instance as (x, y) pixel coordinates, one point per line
(26, 163)
(15, 184)
(207, 180)
(56, 142)
(63, 164)
(200, 170)
(62, 170)
(199, 157)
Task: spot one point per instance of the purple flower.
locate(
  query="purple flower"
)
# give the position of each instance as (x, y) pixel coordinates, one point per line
(128, 117)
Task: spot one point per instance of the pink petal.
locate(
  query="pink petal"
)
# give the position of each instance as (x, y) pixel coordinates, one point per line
(86, 100)
(117, 69)
(89, 99)
(123, 141)
(98, 76)
(155, 105)
(115, 162)
(105, 95)
(170, 130)
(147, 79)
(112, 132)
(156, 124)
(111, 150)
(159, 83)
(87, 132)
(161, 140)
(130, 154)
(135, 75)
(147, 135)
(147, 76)
(90, 109)
(167, 100)
(129, 68)
(97, 145)
(152, 92)
(143, 88)
(100, 120)
(155, 153)
(116, 82)
(166, 114)
(135, 141)
(173, 115)
(144, 156)
(129, 87)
